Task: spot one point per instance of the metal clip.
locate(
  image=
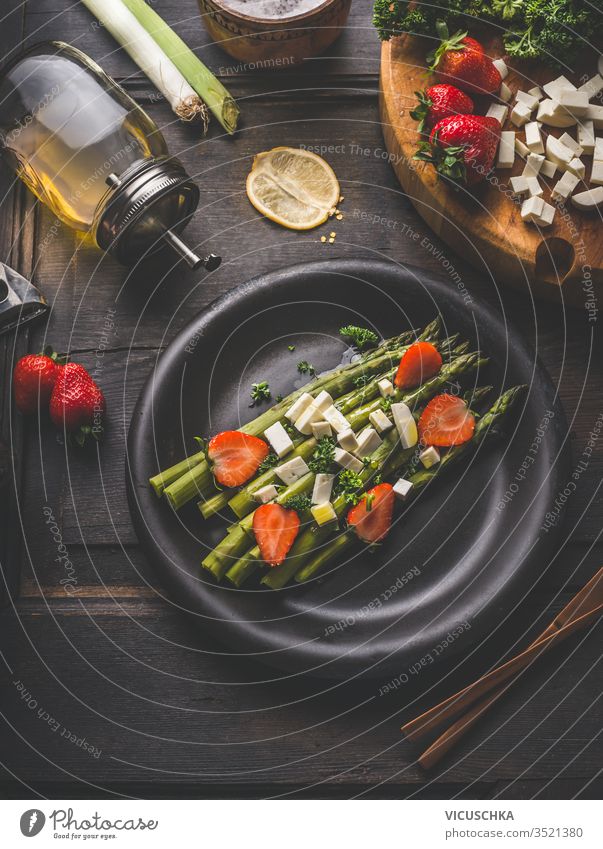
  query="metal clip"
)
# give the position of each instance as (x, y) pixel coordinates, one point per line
(20, 301)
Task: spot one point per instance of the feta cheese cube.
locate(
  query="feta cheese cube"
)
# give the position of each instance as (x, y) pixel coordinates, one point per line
(402, 489)
(586, 137)
(380, 421)
(598, 153)
(594, 113)
(265, 494)
(498, 111)
(565, 186)
(548, 168)
(527, 99)
(292, 470)
(506, 150)
(533, 165)
(505, 93)
(520, 185)
(406, 425)
(295, 411)
(570, 142)
(322, 401)
(347, 440)
(596, 175)
(520, 114)
(577, 167)
(534, 137)
(368, 441)
(556, 86)
(348, 461)
(554, 115)
(536, 92)
(501, 67)
(279, 439)
(335, 418)
(534, 187)
(323, 486)
(545, 219)
(521, 148)
(429, 457)
(590, 200)
(304, 423)
(593, 86)
(386, 387)
(531, 208)
(323, 513)
(320, 429)
(558, 153)
(575, 103)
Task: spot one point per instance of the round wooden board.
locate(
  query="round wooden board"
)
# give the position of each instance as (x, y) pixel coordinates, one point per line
(485, 224)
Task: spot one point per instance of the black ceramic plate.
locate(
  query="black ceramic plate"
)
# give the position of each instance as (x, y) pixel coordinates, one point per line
(453, 565)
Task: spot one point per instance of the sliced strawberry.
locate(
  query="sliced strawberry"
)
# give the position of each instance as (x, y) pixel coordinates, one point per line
(275, 529)
(235, 456)
(446, 421)
(418, 363)
(372, 516)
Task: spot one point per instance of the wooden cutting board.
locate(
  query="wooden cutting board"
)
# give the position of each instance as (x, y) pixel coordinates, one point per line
(484, 225)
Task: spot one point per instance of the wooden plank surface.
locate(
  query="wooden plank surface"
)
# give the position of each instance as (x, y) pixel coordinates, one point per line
(96, 644)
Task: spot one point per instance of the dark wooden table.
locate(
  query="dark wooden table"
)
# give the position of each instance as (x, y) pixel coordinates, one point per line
(107, 689)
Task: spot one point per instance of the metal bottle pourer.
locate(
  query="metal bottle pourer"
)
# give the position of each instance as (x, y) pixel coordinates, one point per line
(147, 208)
(20, 301)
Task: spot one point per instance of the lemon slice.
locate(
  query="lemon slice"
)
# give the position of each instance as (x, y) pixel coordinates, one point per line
(295, 188)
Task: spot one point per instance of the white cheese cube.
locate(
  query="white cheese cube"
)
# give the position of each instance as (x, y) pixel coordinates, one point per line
(554, 115)
(406, 425)
(336, 419)
(558, 153)
(304, 423)
(302, 403)
(534, 137)
(323, 486)
(386, 387)
(545, 219)
(380, 421)
(590, 200)
(501, 67)
(323, 400)
(505, 93)
(586, 137)
(534, 187)
(266, 494)
(521, 148)
(596, 175)
(565, 186)
(598, 154)
(548, 169)
(402, 489)
(575, 103)
(577, 167)
(536, 92)
(323, 513)
(593, 86)
(279, 439)
(520, 114)
(348, 461)
(527, 99)
(498, 111)
(429, 457)
(556, 86)
(533, 165)
(292, 470)
(570, 142)
(347, 440)
(531, 208)
(594, 113)
(320, 429)
(368, 441)
(520, 185)
(506, 150)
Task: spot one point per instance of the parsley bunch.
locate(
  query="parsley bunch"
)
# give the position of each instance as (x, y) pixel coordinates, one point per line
(321, 461)
(361, 337)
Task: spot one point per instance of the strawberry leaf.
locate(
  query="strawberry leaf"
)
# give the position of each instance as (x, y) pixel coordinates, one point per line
(448, 42)
(421, 111)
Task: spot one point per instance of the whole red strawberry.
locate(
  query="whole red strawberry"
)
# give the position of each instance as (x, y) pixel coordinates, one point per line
(462, 147)
(440, 101)
(77, 404)
(460, 61)
(33, 380)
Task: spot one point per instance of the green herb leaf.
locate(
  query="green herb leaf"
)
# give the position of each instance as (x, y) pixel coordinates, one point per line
(322, 460)
(260, 392)
(269, 462)
(361, 337)
(299, 503)
(304, 367)
(291, 347)
(362, 380)
(350, 486)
